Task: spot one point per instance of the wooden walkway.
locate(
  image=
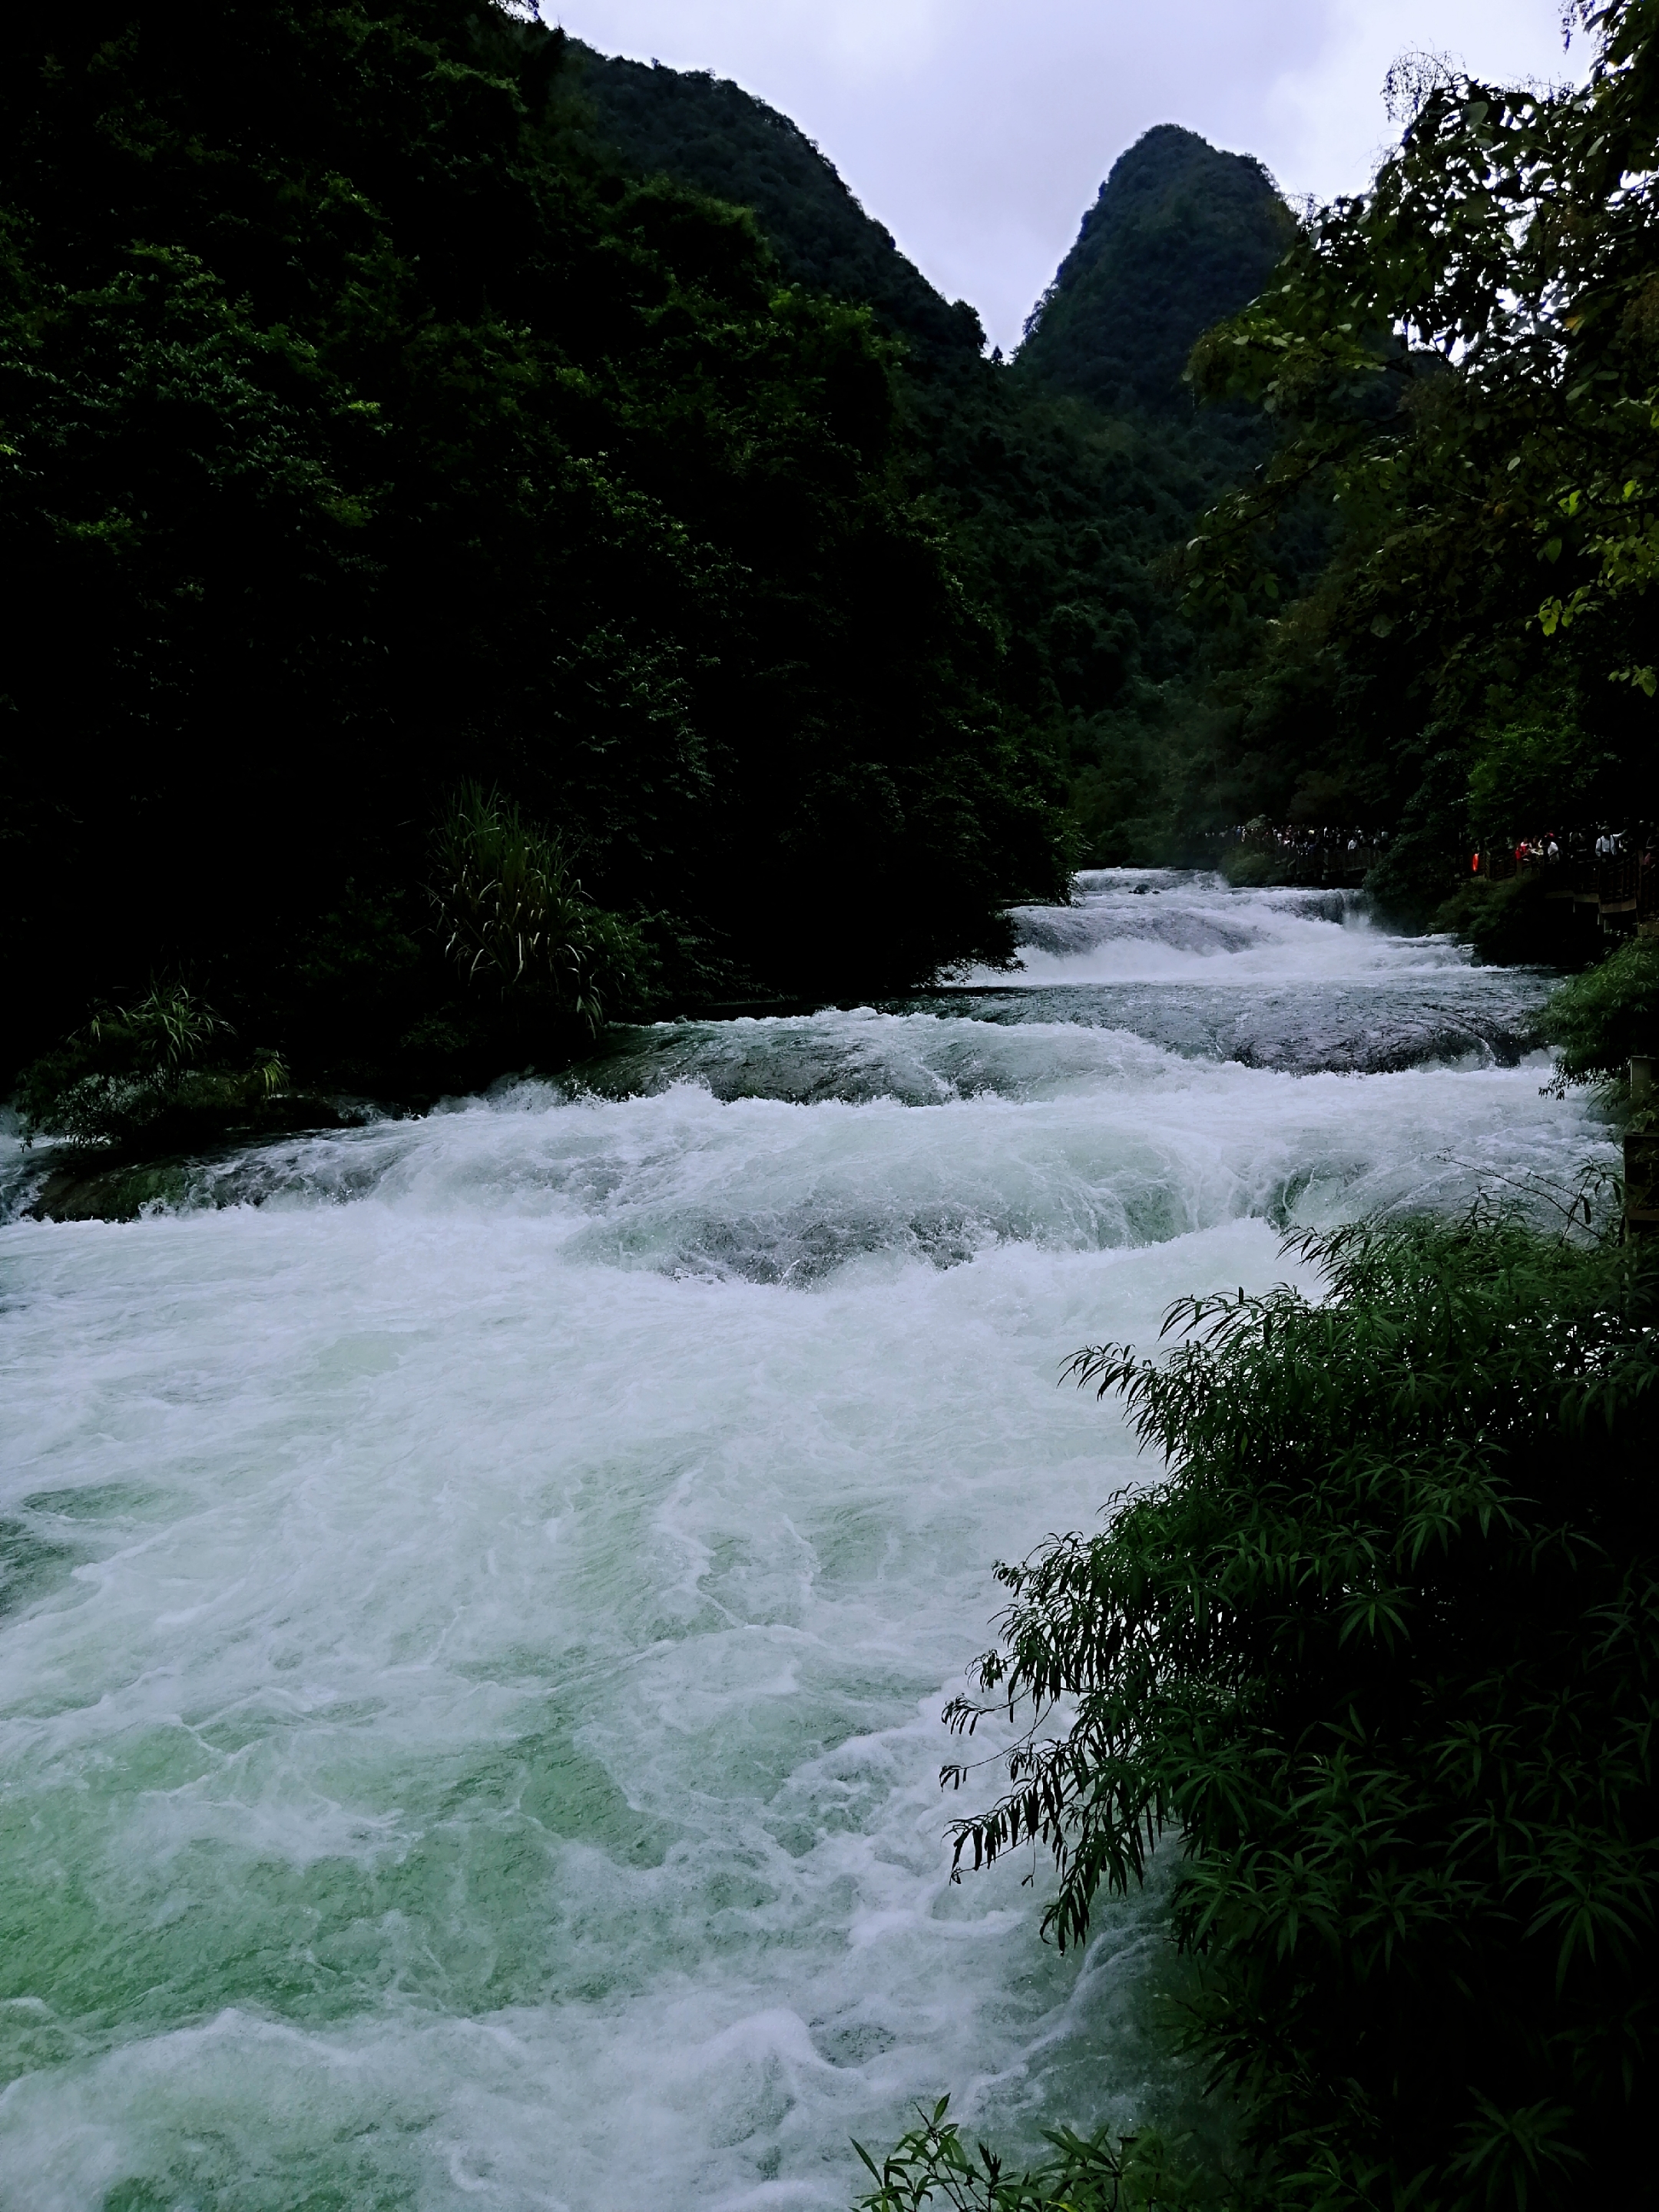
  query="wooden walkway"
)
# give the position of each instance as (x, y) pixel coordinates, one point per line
(1620, 895)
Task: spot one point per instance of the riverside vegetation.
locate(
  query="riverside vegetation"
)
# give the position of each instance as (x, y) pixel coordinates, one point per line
(1380, 1655)
(1383, 1650)
(535, 519)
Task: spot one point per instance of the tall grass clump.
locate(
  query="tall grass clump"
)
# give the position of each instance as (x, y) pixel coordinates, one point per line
(1383, 1647)
(517, 924)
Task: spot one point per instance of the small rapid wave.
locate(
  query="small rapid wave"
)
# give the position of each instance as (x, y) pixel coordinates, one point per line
(1138, 925)
(1090, 1140)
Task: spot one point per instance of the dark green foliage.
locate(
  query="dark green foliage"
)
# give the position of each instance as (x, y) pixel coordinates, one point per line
(517, 924)
(1509, 924)
(1247, 868)
(387, 440)
(404, 426)
(1463, 365)
(1058, 516)
(148, 1076)
(1102, 2172)
(1181, 236)
(1602, 1019)
(1540, 769)
(1383, 1647)
(1062, 489)
(710, 134)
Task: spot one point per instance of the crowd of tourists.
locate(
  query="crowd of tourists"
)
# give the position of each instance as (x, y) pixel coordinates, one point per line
(1601, 840)
(1329, 853)
(1303, 839)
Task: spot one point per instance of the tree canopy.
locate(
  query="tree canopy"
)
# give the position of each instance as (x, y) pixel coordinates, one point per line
(1064, 479)
(1463, 363)
(1179, 236)
(365, 436)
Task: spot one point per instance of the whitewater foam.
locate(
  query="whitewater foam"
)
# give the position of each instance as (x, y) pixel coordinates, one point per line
(480, 1593)
(1127, 925)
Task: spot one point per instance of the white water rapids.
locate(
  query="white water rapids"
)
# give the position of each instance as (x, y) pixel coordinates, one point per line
(480, 1590)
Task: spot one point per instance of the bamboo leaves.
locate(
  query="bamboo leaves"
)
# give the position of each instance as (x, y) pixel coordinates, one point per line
(1383, 1651)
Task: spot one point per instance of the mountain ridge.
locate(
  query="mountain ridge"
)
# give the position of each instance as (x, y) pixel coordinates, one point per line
(1180, 234)
(706, 132)
(1063, 476)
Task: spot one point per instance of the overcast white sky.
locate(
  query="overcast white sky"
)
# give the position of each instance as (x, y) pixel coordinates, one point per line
(979, 131)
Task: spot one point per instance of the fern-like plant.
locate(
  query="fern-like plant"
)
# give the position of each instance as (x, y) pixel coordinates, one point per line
(1101, 2172)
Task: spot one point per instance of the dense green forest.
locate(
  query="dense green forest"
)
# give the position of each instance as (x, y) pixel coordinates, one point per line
(401, 401)
(1064, 479)
(368, 439)
(1462, 367)
(709, 134)
(406, 402)
(1370, 627)
(1070, 481)
(1177, 229)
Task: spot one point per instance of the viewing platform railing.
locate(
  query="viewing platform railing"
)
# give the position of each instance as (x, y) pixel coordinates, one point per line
(1328, 867)
(1623, 888)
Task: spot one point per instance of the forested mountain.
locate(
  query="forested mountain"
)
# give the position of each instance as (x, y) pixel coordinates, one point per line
(1063, 478)
(443, 425)
(1181, 235)
(712, 135)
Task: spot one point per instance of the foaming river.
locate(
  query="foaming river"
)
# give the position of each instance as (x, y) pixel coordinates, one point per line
(479, 1591)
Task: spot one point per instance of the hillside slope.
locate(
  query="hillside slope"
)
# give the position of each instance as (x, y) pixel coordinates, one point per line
(1181, 235)
(405, 456)
(707, 132)
(1062, 478)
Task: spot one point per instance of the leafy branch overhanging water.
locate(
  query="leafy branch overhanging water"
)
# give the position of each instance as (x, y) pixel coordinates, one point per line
(1383, 1648)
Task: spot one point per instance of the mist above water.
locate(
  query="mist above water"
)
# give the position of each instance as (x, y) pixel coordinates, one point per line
(479, 1592)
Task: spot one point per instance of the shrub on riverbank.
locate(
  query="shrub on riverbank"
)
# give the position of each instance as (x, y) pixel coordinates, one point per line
(517, 924)
(1247, 867)
(1600, 1021)
(1384, 1647)
(1102, 2172)
(142, 1078)
(1510, 924)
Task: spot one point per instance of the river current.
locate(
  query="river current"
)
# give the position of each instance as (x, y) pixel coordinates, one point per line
(479, 1591)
